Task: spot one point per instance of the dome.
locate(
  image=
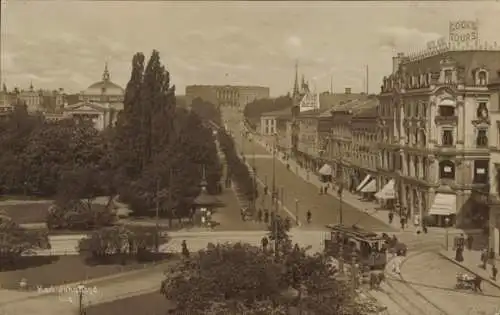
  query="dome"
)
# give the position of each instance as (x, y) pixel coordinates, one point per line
(105, 86)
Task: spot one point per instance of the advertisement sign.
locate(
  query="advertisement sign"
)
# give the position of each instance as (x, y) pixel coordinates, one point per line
(464, 32)
(309, 101)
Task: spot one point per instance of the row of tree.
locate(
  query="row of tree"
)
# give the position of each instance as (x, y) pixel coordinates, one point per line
(237, 169)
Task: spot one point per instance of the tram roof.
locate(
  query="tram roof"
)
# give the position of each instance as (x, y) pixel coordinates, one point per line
(354, 230)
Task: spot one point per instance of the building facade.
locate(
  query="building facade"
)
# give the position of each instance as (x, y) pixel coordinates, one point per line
(352, 145)
(494, 136)
(433, 135)
(32, 98)
(226, 95)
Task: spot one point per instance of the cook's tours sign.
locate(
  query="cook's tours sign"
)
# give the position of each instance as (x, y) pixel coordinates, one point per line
(464, 32)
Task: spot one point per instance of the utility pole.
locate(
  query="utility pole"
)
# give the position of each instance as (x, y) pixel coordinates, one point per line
(273, 194)
(157, 233)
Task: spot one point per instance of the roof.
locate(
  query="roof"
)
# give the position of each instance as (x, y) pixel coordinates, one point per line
(468, 59)
(354, 231)
(104, 87)
(357, 106)
(94, 106)
(286, 112)
(329, 101)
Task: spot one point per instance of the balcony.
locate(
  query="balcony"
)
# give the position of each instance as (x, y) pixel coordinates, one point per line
(446, 120)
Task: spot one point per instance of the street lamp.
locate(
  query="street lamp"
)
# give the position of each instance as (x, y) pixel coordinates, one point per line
(447, 241)
(297, 211)
(80, 289)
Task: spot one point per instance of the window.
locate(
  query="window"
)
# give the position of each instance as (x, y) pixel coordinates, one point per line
(446, 111)
(448, 76)
(482, 110)
(481, 171)
(446, 169)
(447, 137)
(482, 138)
(482, 77)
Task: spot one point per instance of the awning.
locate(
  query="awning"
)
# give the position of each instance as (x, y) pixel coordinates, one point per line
(363, 182)
(444, 204)
(325, 170)
(387, 192)
(371, 187)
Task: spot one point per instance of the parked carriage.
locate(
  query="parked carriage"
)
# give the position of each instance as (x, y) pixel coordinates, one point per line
(368, 247)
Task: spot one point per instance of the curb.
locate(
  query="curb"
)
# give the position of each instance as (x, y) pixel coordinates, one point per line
(493, 283)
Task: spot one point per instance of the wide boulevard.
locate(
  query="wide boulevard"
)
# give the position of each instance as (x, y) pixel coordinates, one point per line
(324, 208)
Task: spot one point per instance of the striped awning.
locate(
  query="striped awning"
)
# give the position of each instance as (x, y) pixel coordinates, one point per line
(444, 204)
(387, 192)
(363, 182)
(371, 187)
(325, 170)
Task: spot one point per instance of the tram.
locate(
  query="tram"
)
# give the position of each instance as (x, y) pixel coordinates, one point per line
(369, 248)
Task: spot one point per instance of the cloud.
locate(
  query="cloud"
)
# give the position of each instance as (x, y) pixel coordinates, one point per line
(294, 41)
(397, 38)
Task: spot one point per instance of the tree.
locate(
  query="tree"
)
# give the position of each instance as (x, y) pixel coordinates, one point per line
(207, 111)
(242, 279)
(16, 241)
(255, 109)
(155, 140)
(225, 279)
(120, 242)
(278, 232)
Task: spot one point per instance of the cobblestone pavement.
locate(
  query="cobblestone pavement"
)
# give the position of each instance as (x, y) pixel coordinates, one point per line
(427, 286)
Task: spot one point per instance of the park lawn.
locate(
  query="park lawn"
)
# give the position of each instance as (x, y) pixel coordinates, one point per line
(146, 304)
(31, 212)
(49, 271)
(27, 213)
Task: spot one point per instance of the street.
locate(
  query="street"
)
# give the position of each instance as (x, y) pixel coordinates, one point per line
(325, 209)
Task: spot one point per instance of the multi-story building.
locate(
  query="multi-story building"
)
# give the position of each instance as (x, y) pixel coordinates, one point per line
(312, 128)
(226, 95)
(352, 143)
(32, 98)
(433, 139)
(494, 143)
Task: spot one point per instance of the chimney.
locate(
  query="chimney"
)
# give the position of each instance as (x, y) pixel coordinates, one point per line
(347, 91)
(396, 61)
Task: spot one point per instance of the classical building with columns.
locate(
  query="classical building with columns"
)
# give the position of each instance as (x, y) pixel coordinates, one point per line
(433, 134)
(226, 95)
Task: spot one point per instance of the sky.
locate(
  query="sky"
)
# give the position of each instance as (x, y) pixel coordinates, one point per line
(65, 44)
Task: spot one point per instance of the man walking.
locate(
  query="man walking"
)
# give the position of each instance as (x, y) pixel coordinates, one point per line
(309, 216)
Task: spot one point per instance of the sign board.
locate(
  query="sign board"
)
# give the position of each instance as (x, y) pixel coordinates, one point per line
(464, 32)
(309, 101)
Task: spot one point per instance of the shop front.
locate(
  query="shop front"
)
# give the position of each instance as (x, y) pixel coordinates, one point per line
(443, 211)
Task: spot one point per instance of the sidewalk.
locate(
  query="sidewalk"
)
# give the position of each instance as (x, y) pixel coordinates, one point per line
(471, 263)
(369, 207)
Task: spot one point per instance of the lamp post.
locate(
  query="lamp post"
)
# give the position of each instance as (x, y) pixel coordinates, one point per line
(273, 194)
(446, 235)
(340, 193)
(297, 211)
(80, 290)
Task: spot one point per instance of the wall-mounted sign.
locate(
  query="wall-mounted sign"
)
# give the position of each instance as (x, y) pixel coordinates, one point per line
(464, 32)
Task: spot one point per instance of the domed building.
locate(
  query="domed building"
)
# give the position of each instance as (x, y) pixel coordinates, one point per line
(100, 102)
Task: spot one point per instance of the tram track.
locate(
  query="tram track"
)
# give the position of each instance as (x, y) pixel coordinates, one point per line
(409, 299)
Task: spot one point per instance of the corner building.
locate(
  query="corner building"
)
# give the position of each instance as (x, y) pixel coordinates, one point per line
(433, 135)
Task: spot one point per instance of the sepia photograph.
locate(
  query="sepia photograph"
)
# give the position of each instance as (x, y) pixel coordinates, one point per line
(249, 157)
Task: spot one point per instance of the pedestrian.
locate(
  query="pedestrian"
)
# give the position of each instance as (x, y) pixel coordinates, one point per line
(494, 272)
(484, 258)
(264, 242)
(326, 189)
(185, 250)
(288, 224)
(470, 242)
(424, 227)
(309, 216)
(266, 190)
(266, 216)
(391, 217)
(242, 213)
(321, 190)
(402, 222)
(477, 283)
(259, 215)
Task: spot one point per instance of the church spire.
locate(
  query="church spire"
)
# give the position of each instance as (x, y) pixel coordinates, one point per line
(296, 82)
(105, 74)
